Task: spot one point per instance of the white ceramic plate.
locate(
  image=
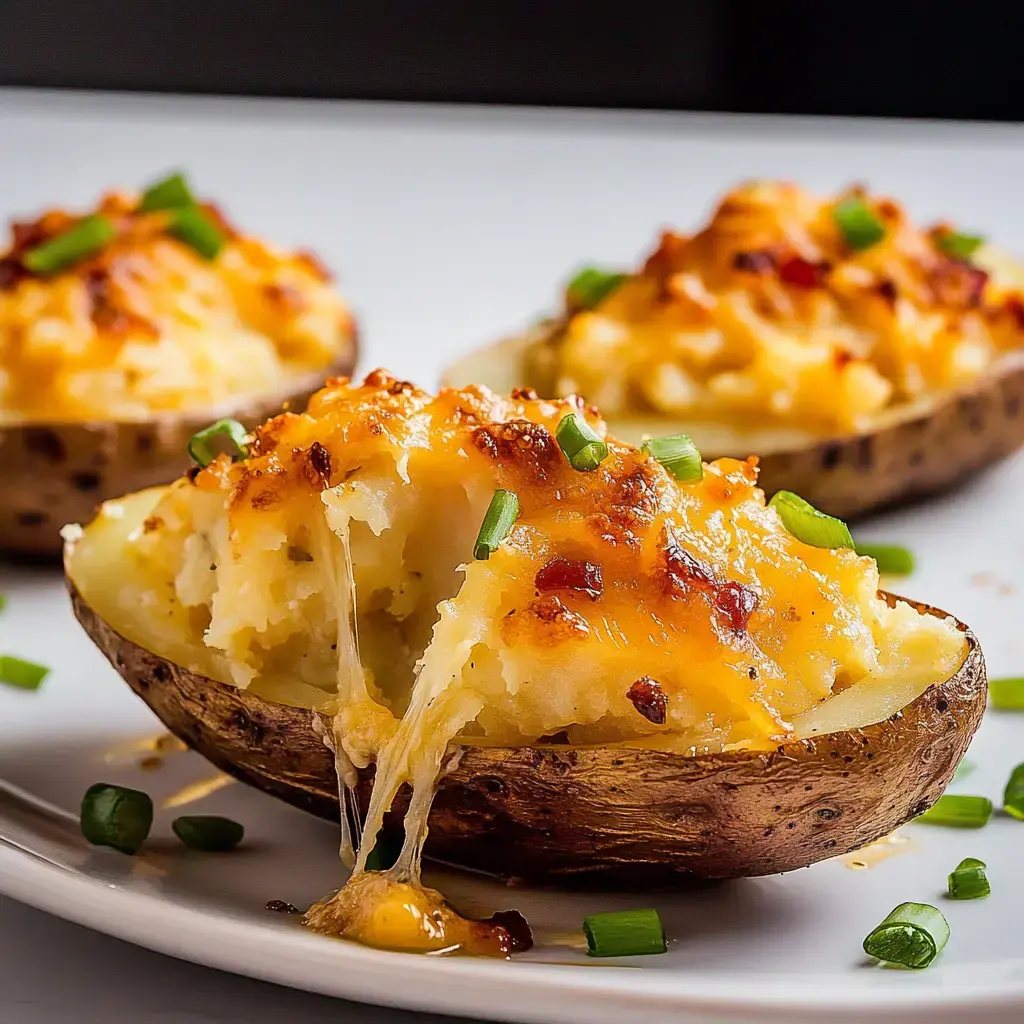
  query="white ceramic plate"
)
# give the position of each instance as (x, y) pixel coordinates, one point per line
(775, 949)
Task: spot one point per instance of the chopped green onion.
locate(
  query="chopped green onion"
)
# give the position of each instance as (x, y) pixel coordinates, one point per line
(624, 933)
(968, 881)
(580, 445)
(809, 525)
(87, 237)
(1007, 694)
(384, 853)
(957, 811)
(590, 286)
(197, 229)
(1013, 795)
(3, 602)
(960, 246)
(859, 224)
(892, 559)
(498, 520)
(200, 447)
(912, 936)
(678, 454)
(169, 194)
(208, 832)
(117, 817)
(25, 675)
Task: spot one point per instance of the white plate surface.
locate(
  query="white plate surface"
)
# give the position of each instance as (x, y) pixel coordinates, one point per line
(422, 200)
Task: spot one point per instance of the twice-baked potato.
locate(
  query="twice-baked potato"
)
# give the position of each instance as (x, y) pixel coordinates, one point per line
(617, 674)
(866, 361)
(125, 331)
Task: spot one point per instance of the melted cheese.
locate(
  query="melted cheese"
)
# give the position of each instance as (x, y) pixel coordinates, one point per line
(765, 318)
(333, 569)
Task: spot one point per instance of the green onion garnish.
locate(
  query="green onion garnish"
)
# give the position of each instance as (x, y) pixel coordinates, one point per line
(3, 602)
(169, 194)
(957, 811)
(384, 853)
(624, 933)
(230, 432)
(1013, 795)
(590, 286)
(24, 675)
(960, 246)
(88, 236)
(1007, 694)
(968, 881)
(197, 229)
(859, 224)
(892, 559)
(912, 936)
(678, 454)
(116, 816)
(809, 525)
(498, 520)
(580, 445)
(208, 832)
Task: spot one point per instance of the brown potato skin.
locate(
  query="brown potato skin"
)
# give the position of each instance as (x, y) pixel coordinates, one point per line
(851, 475)
(57, 473)
(554, 814)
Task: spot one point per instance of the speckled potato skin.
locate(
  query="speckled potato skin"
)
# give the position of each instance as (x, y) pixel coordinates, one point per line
(850, 475)
(52, 474)
(555, 814)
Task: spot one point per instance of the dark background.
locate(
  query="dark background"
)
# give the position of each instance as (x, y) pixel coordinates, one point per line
(917, 59)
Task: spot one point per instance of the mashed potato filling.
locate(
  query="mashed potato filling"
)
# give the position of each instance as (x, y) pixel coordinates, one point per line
(334, 569)
(147, 325)
(767, 317)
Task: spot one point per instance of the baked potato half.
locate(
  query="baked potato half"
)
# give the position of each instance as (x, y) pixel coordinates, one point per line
(633, 678)
(864, 360)
(126, 330)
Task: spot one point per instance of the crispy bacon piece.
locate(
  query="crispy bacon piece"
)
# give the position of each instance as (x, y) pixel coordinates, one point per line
(520, 935)
(761, 261)
(320, 464)
(803, 273)
(570, 574)
(959, 284)
(736, 603)
(647, 696)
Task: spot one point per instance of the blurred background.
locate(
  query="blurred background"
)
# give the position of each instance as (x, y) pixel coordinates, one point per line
(917, 59)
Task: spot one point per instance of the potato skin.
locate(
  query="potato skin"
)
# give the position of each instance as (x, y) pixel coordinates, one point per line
(847, 475)
(52, 474)
(551, 815)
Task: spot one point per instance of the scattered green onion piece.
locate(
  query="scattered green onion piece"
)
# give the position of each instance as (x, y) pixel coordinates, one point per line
(24, 675)
(580, 445)
(1007, 694)
(809, 525)
(115, 816)
(200, 447)
(678, 454)
(963, 769)
(208, 832)
(591, 286)
(197, 229)
(912, 936)
(1013, 795)
(384, 853)
(499, 519)
(968, 880)
(892, 559)
(168, 194)
(960, 246)
(957, 811)
(3, 602)
(86, 237)
(624, 933)
(859, 224)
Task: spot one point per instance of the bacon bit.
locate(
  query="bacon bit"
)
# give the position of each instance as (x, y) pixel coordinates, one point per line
(1015, 307)
(151, 524)
(265, 500)
(684, 572)
(523, 445)
(546, 622)
(758, 262)
(319, 465)
(520, 935)
(737, 603)
(886, 288)
(958, 284)
(571, 574)
(524, 395)
(661, 261)
(802, 273)
(401, 387)
(11, 272)
(841, 358)
(647, 696)
(107, 313)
